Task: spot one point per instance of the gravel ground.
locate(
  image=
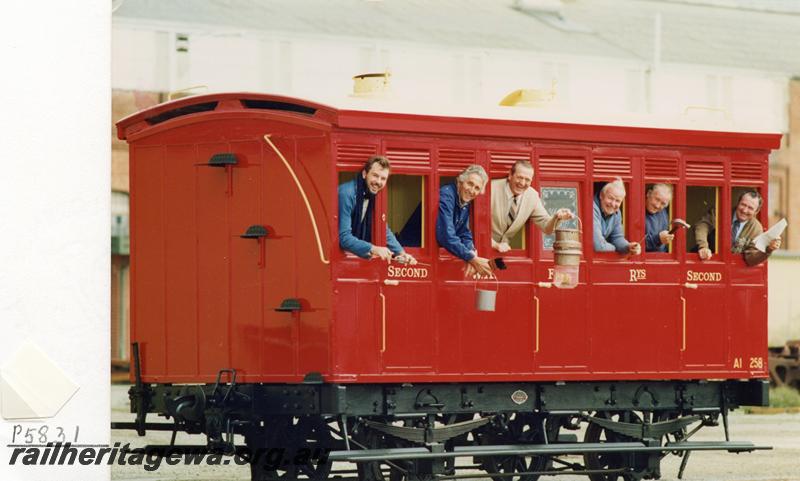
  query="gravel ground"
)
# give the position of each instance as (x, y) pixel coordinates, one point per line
(781, 431)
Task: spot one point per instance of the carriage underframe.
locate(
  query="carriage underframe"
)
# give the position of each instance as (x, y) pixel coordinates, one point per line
(518, 430)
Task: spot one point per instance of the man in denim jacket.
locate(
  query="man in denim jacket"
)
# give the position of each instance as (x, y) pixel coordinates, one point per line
(356, 212)
(452, 223)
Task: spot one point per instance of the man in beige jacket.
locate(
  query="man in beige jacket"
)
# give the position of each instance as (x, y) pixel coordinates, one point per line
(514, 202)
(744, 228)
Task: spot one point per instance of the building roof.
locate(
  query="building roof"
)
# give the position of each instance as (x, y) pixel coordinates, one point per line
(734, 35)
(746, 34)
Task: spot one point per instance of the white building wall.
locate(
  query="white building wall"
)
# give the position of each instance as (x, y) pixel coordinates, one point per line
(139, 60)
(321, 68)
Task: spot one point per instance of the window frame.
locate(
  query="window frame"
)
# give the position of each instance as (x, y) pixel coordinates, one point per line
(424, 249)
(548, 254)
(718, 253)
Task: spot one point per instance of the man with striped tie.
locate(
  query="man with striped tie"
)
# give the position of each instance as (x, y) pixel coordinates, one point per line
(514, 201)
(745, 227)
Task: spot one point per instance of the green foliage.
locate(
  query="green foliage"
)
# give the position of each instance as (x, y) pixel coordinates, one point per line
(784, 397)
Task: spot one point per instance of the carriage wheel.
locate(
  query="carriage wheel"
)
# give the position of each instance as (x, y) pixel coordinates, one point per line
(396, 470)
(301, 443)
(462, 440)
(596, 461)
(378, 470)
(522, 429)
(675, 436)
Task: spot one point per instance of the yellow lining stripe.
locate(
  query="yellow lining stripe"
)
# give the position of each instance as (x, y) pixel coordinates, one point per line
(305, 199)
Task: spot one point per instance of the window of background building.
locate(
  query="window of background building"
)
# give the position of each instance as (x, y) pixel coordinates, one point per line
(120, 234)
(120, 277)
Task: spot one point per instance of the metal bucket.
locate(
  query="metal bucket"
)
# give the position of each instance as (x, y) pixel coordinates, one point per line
(485, 300)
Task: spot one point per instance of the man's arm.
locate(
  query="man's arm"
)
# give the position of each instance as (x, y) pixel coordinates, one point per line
(654, 224)
(466, 235)
(617, 237)
(753, 256)
(347, 241)
(392, 243)
(701, 230)
(446, 234)
(600, 243)
(652, 241)
(541, 218)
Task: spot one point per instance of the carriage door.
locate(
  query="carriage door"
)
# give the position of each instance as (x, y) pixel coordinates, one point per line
(621, 339)
(229, 309)
(408, 330)
(662, 266)
(560, 313)
(703, 332)
(748, 294)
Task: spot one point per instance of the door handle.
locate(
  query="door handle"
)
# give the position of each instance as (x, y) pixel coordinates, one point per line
(222, 160)
(257, 232)
(290, 305)
(536, 328)
(225, 160)
(683, 325)
(391, 282)
(383, 322)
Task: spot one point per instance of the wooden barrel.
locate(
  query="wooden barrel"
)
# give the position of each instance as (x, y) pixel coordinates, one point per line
(567, 248)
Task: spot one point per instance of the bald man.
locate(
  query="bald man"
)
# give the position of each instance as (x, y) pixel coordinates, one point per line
(608, 235)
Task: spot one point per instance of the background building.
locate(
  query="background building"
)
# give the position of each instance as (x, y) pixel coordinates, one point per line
(730, 62)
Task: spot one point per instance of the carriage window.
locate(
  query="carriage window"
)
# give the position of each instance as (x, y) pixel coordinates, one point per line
(658, 216)
(554, 198)
(446, 179)
(518, 241)
(405, 212)
(702, 213)
(346, 177)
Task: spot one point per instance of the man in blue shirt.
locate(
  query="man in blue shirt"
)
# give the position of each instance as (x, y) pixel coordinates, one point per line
(656, 219)
(356, 212)
(452, 223)
(608, 235)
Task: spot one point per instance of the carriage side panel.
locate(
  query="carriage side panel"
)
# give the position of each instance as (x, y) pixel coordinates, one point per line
(148, 298)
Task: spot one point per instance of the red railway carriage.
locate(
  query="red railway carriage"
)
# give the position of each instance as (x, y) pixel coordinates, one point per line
(238, 282)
